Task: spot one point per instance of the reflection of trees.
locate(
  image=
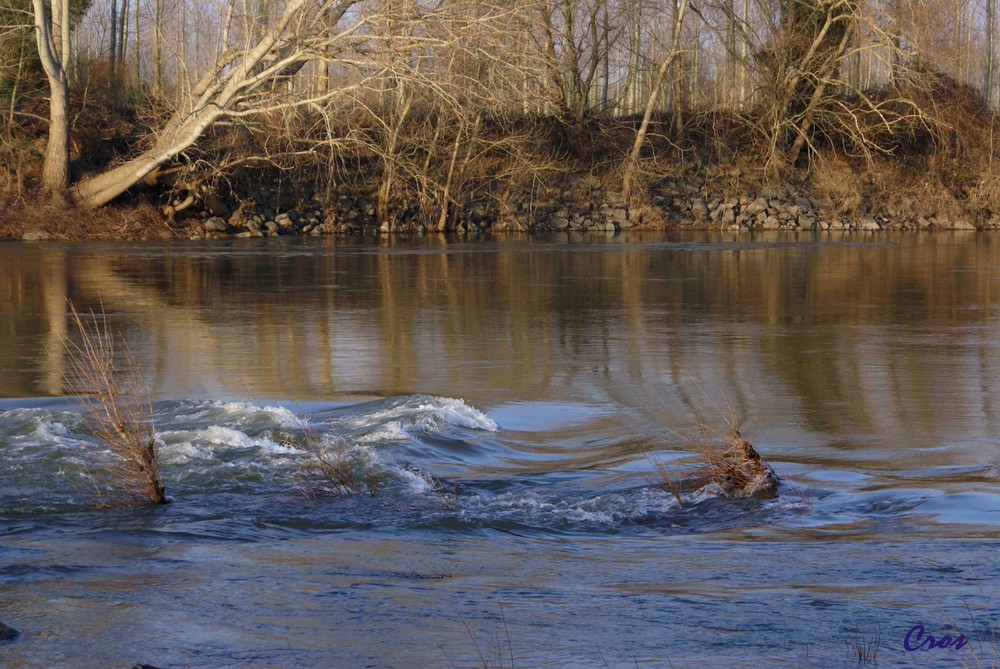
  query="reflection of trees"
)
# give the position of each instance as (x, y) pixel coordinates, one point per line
(852, 327)
(33, 287)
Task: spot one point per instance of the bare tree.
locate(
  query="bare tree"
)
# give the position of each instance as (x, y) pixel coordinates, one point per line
(988, 74)
(232, 87)
(632, 162)
(157, 48)
(54, 45)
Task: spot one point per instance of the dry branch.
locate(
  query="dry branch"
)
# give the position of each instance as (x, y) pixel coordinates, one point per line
(335, 469)
(737, 471)
(118, 412)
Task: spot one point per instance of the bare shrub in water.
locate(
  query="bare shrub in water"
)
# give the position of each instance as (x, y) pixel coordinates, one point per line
(118, 411)
(734, 467)
(334, 469)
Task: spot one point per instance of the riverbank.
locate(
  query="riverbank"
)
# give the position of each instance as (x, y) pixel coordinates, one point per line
(529, 174)
(715, 198)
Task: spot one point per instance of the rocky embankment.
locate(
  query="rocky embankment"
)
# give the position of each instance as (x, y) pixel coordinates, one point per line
(712, 199)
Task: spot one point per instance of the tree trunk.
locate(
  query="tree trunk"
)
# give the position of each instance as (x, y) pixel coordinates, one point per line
(54, 52)
(640, 136)
(55, 171)
(181, 132)
(157, 48)
(826, 75)
(990, 58)
(138, 59)
(236, 76)
(122, 34)
(113, 51)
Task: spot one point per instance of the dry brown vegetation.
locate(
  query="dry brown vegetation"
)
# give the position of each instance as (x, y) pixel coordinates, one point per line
(730, 463)
(123, 468)
(335, 469)
(864, 647)
(430, 112)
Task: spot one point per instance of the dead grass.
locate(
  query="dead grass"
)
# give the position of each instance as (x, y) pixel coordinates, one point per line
(36, 212)
(835, 178)
(118, 412)
(497, 652)
(864, 647)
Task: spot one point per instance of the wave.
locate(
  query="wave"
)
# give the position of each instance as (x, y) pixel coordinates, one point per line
(234, 412)
(423, 413)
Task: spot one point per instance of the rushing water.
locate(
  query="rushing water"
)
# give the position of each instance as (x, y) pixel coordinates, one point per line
(535, 375)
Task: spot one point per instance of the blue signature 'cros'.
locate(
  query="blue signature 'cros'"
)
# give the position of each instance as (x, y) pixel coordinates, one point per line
(918, 639)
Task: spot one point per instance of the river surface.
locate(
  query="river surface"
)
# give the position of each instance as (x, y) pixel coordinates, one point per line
(542, 380)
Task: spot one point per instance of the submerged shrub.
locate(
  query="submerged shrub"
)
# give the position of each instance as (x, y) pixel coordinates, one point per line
(335, 469)
(735, 470)
(118, 411)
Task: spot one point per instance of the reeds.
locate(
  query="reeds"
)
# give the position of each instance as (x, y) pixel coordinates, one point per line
(865, 647)
(118, 412)
(502, 650)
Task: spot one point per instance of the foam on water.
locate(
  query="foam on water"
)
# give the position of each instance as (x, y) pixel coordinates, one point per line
(425, 413)
(391, 431)
(207, 447)
(238, 413)
(529, 508)
(181, 446)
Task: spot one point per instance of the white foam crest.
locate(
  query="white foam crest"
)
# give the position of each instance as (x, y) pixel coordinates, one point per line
(427, 414)
(460, 414)
(50, 430)
(183, 452)
(275, 448)
(242, 412)
(391, 431)
(218, 438)
(42, 424)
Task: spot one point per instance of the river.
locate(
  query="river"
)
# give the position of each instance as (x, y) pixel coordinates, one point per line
(542, 379)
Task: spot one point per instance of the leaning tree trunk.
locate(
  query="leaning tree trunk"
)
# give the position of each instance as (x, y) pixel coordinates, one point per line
(237, 75)
(181, 132)
(54, 56)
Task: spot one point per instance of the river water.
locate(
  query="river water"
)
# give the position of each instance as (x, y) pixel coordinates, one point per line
(535, 376)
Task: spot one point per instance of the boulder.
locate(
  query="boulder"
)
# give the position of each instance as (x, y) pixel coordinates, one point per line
(8, 633)
(758, 206)
(699, 209)
(215, 205)
(215, 224)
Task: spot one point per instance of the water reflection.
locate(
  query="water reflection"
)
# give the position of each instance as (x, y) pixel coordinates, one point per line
(864, 368)
(866, 335)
